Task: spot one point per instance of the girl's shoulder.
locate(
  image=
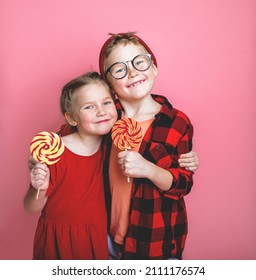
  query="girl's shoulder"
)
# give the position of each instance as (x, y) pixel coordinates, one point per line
(69, 141)
(68, 138)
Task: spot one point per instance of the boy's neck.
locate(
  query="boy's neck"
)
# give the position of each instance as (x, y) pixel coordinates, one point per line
(140, 110)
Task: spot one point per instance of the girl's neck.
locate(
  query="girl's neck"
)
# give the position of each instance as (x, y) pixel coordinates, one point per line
(140, 110)
(84, 145)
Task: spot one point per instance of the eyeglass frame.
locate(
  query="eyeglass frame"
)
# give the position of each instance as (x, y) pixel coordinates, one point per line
(126, 65)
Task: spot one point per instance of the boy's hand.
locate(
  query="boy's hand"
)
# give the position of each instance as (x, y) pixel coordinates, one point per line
(40, 176)
(133, 164)
(189, 161)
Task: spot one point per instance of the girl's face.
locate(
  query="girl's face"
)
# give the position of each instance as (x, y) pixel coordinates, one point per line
(136, 84)
(94, 110)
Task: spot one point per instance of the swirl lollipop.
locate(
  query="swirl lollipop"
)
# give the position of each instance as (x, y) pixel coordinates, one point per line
(126, 134)
(46, 147)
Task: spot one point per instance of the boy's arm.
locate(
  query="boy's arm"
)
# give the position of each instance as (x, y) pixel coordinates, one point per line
(167, 175)
(133, 164)
(182, 178)
(160, 177)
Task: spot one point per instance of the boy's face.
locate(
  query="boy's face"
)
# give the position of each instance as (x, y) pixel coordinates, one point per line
(136, 84)
(94, 109)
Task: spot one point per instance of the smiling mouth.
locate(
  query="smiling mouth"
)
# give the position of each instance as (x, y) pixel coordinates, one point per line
(102, 121)
(136, 84)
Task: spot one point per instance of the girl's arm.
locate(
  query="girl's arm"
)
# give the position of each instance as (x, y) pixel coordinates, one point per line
(39, 179)
(189, 161)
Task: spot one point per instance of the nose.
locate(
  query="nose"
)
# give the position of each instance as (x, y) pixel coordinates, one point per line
(131, 70)
(101, 112)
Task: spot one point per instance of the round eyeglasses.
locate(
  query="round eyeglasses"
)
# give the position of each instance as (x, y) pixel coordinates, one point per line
(140, 62)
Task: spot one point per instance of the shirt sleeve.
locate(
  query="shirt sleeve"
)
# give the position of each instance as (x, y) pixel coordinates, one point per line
(170, 140)
(182, 178)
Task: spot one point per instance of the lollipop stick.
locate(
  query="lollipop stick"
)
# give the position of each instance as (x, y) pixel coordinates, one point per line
(128, 178)
(37, 194)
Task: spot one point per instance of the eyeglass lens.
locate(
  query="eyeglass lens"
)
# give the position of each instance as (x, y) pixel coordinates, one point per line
(140, 62)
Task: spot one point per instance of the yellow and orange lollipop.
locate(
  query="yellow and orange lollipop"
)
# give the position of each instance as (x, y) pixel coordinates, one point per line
(126, 134)
(46, 147)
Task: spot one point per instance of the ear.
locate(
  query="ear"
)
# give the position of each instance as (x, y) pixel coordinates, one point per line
(70, 119)
(155, 70)
(112, 91)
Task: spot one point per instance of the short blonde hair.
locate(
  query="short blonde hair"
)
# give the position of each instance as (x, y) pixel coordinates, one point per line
(69, 89)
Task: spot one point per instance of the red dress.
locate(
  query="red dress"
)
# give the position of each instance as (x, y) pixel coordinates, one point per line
(73, 224)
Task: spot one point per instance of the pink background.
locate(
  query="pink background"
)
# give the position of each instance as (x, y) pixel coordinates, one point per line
(206, 53)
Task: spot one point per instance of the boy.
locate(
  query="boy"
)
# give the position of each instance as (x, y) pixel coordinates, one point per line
(148, 215)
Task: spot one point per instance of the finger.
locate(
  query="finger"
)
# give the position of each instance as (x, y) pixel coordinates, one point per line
(37, 183)
(38, 174)
(188, 161)
(189, 164)
(122, 154)
(191, 154)
(36, 171)
(121, 161)
(191, 168)
(41, 166)
(122, 167)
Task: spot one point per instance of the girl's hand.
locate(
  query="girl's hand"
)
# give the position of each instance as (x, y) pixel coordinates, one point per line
(189, 161)
(31, 163)
(40, 176)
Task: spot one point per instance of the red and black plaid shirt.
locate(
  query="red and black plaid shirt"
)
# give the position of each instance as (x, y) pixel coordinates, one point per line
(158, 221)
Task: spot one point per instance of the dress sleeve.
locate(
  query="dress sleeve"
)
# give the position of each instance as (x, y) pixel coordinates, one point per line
(53, 172)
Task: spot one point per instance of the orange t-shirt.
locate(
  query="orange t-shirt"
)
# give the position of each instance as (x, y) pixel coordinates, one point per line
(121, 192)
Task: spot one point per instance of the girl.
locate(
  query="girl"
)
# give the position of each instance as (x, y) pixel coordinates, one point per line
(73, 220)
